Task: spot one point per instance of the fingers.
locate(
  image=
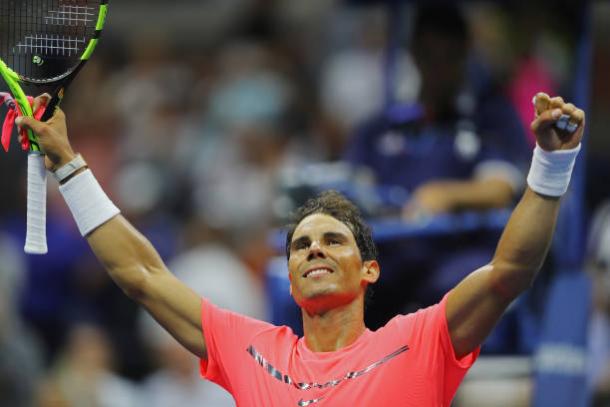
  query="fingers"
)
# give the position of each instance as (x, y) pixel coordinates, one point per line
(541, 102)
(58, 114)
(546, 119)
(52, 137)
(26, 122)
(565, 122)
(575, 117)
(36, 126)
(554, 111)
(571, 118)
(41, 101)
(556, 102)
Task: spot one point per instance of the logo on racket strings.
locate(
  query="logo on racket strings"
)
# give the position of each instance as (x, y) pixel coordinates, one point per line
(37, 60)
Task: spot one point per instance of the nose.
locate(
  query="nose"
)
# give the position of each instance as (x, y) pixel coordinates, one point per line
(315, 251)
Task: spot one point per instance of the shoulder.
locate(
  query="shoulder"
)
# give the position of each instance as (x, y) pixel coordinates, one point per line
(216, 315)
(418, 325)
(242, 330)
(233, 339)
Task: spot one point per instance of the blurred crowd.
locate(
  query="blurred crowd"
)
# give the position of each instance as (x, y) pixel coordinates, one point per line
(198, 138)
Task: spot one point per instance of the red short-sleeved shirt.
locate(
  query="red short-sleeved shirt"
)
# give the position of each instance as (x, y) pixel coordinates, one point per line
(408, 362)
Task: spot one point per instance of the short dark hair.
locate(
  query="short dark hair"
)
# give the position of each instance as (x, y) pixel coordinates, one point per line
(334, 204)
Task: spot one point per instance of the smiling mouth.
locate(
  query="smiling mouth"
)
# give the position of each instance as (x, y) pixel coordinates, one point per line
(318, 271)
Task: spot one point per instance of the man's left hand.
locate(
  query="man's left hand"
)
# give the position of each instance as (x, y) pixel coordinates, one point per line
(549, 112)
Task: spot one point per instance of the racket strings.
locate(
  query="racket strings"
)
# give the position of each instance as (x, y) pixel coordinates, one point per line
(69, 15)
(51, 45)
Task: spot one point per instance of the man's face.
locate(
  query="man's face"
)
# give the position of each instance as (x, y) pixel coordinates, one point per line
(325, 266)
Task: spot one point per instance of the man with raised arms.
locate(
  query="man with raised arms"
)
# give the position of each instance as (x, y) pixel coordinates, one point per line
(414, 360)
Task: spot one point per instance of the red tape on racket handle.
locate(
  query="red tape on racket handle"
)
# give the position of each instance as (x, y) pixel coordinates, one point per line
(36, 233)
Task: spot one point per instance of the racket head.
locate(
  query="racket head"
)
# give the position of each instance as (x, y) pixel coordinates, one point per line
(45, 41)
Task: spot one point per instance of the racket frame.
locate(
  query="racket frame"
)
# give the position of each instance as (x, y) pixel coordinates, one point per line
(36, 242)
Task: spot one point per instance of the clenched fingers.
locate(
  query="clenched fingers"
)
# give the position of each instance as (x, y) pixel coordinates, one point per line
(41, 101)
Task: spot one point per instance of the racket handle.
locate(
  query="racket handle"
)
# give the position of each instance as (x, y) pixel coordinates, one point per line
(36, 234)
(51, 106)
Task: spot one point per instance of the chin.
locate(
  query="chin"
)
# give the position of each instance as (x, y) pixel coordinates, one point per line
(324, 291)
(305, 298)
(326, 298)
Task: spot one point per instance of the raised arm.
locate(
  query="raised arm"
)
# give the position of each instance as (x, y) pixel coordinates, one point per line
(479, 301)
(131, 261)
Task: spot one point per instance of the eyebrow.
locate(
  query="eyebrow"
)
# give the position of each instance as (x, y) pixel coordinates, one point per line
(326, 236)
(335, 235)
(302, 239)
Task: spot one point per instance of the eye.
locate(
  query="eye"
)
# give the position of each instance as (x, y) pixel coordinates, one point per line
(334, 242)
(299, 245)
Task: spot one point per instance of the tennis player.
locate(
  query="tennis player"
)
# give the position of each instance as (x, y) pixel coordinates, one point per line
(415, 360)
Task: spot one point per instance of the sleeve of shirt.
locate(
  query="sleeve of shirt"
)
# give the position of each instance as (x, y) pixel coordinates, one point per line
(429, 329)
(455, 369)
(227, 335)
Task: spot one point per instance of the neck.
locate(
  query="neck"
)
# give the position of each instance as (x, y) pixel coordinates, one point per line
(334, 329)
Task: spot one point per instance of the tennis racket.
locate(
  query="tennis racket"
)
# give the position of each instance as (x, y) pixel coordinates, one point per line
(44, 44)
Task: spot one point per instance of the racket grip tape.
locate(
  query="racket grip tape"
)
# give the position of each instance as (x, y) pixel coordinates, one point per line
(36, 234)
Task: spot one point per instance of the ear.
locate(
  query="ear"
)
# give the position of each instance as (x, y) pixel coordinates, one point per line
(370, 271)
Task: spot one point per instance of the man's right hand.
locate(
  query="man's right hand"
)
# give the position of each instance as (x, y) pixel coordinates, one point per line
(130, 259)
(52, 135)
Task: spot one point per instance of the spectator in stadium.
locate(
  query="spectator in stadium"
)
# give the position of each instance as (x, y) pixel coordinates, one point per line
(460, 148)
(20, 352)
(83, 375)
(598, 262)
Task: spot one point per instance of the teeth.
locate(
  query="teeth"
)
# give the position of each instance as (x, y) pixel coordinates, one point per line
(317, 272)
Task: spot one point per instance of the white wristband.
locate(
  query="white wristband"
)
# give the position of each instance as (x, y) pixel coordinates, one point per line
(89, 204)
(551, 171)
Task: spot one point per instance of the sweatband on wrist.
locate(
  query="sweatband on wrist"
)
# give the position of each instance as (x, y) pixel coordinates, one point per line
(89, 204)
(551, 171)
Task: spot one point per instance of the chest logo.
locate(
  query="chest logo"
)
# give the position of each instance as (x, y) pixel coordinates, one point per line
(284, 378)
